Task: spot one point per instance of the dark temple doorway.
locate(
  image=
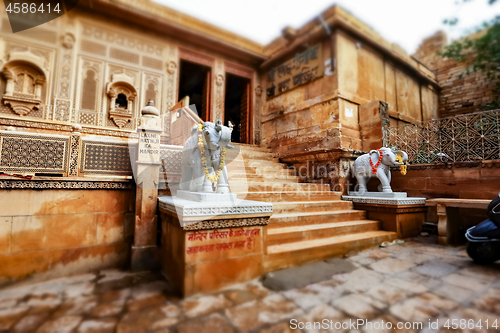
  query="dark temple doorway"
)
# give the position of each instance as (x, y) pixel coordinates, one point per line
(237, 107)
(194, 81)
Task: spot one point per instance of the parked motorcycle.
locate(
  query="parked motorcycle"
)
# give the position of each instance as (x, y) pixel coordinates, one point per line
(483, 244)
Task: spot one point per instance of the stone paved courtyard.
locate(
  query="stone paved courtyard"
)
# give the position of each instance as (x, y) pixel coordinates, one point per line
(412, 282)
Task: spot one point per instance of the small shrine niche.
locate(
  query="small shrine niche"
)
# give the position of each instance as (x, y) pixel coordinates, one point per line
(25, 79)
(122, 94)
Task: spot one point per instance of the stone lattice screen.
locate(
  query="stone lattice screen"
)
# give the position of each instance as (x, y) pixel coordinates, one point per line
(71, 155)
(463, 138)
(34, 153)
(63, 155)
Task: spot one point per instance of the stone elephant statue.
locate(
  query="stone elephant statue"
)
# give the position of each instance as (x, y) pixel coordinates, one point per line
(215, 137)
(381, 161)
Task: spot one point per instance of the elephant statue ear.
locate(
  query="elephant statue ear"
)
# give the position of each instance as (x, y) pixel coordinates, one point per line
(218, 125)
(404, 155)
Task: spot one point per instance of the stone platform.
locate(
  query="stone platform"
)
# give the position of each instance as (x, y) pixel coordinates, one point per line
(210, 206)
(210, 245)
(397, 212)
(382, 198)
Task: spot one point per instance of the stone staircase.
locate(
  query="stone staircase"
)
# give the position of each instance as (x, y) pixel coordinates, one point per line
(309, 222)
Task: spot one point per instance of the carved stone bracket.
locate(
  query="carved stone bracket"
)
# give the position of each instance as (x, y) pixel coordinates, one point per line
(21, 106)
(120, 116)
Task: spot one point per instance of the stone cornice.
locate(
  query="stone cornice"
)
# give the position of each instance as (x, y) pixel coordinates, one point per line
(63, 127)
(65, 183)
(471, 164)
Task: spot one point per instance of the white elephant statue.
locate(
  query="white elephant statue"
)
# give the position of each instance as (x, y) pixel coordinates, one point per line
(214, 137)
(377, 163)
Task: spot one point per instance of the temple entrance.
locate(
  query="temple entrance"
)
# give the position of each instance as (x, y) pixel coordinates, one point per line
(194, 81)
(237, 107)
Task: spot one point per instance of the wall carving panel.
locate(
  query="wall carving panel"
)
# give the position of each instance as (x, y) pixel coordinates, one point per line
(226, 223)
(87, 118)
(66, 66)
(76, 142)
(33, 153)
(106, 158)
(110, 37)
(67, 128)
(95, 48)
(152, 63)
(62, 111)
(124, 56)
(52, 184)
(172, 71)
(219, 78)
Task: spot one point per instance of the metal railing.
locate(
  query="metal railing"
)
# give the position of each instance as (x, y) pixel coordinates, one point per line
(463, 138)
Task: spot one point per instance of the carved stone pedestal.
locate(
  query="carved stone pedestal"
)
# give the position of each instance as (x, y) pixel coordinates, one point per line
(203, 252)
(399, 214)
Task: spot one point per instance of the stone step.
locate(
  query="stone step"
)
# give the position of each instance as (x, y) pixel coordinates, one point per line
(260, 179)
(310, 206)
(308, 218)
(264, 177)
(290, 196)
(276, 236)
(264, 164)
(257, 161)
(252, 154)
(246, 147)
(299, 253)
(277, 186)
(270, 170)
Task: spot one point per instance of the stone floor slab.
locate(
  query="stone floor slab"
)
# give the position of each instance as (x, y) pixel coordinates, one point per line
(391, 266)
(410, 282)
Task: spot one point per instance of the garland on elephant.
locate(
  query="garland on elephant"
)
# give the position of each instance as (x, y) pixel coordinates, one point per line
(212, 179)
(375, 167)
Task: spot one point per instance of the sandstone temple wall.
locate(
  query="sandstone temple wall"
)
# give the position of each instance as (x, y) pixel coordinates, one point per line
(464, 180)
(53, 232)
(326, 122)
(459, 93)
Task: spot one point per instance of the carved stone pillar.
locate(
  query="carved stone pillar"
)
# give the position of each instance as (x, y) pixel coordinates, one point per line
(112, 94)
(145, 253)
(39, 82)
(9, 88)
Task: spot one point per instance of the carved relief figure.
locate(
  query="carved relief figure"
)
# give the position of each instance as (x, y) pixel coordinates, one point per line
(171, 66)
(219, 80)
(68, 40)
(204, 152)
(377, 163)
(258, 91)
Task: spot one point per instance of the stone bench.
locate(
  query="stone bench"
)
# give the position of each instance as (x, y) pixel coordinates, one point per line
(447, 209)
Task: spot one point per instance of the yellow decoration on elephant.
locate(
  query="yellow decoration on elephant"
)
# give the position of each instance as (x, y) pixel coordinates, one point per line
(402, 168)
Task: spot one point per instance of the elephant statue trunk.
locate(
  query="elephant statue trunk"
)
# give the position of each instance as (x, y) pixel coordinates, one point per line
(377, 163)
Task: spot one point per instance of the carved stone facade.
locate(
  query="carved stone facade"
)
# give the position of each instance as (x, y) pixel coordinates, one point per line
(95, 72)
